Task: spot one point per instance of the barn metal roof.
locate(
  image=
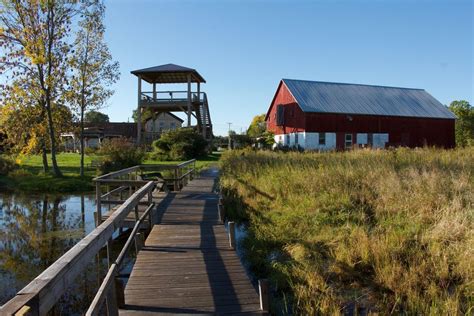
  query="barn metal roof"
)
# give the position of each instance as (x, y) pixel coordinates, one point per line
(169, 73)
(330, 97)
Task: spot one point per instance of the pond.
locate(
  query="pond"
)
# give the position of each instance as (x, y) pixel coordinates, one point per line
(35, 230)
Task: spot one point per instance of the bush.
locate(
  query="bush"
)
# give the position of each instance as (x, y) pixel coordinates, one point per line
(19, 173)
(180, 144)
(90, 150)
(6, 165)
(119, 153)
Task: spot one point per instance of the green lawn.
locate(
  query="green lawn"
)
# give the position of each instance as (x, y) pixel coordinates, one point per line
(30, 177)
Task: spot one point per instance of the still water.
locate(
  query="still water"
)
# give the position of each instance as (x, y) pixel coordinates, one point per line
(35, 230)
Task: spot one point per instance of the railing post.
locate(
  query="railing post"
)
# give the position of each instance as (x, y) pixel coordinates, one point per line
(232, 235)
(119, 292)
(111, 301)
(150, 201)
(264, 295)
(107, 189)
(138, 242)
(98, 195)
(150, 197)
(109, 252)
(137, 215)
(176, 183)
(130, 191)
(221, 211)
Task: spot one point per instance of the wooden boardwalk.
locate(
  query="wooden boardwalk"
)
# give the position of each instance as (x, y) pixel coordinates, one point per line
(186, 265)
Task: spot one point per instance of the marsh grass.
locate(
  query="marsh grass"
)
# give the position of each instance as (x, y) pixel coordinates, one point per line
(388, 231)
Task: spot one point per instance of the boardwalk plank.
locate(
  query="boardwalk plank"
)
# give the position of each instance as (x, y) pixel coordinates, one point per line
(186, 265)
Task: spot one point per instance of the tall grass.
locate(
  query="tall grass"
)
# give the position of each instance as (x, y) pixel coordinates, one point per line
(388, 231)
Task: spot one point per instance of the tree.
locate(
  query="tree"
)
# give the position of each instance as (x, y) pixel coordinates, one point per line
(464, 129)
(93, 67)
(96, 117)
(33, 39)
(257, 127)
(18, 112)
(147, 113)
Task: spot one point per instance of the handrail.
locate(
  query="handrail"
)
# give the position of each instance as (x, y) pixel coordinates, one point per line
(44, 291)
(105, 287)
(116, 178)
(117, 173)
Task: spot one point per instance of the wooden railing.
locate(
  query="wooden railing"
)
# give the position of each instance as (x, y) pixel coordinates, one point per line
(124, 182)
(112, 289)
(43, 292)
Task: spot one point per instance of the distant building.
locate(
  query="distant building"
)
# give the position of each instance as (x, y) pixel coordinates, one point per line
(164, 121)
(327, 116)
(95, 134)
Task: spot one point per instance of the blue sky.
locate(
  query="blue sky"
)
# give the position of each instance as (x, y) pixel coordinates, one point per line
(243, 48)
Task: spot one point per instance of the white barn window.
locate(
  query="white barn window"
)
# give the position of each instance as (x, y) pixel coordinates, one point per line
(348, 141)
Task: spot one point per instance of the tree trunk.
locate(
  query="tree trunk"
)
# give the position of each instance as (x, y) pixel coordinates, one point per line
(56, 170)
(81, 172)
(44, 156)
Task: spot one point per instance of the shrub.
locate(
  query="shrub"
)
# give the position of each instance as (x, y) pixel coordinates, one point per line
(180, 144)
(90, 150)
(19, 173)
(119, 153)
(6, 166)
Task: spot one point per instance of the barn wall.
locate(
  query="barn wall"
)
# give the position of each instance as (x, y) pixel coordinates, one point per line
(294, 116)
(312, 141)
(411, 132)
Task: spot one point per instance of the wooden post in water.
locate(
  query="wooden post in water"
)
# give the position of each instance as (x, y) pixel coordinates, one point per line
(232, 235)
(264, 294)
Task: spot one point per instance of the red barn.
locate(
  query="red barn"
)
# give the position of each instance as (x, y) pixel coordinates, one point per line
(325, 115)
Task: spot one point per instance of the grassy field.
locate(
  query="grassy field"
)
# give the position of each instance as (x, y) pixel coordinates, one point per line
(391, 232)
(30, 178)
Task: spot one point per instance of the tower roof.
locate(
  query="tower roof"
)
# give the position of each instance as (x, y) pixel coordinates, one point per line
(168, 73)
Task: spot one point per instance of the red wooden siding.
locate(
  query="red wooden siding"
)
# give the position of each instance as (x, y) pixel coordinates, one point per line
(405, 131)
(294, 117)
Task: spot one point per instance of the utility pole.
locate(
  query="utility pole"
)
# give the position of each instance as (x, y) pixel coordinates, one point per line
(229, 144)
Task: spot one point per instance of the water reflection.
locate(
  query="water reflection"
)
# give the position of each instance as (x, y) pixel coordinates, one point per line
(34, 232)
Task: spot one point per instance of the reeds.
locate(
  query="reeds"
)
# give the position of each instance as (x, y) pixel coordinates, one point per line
(388, 231)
